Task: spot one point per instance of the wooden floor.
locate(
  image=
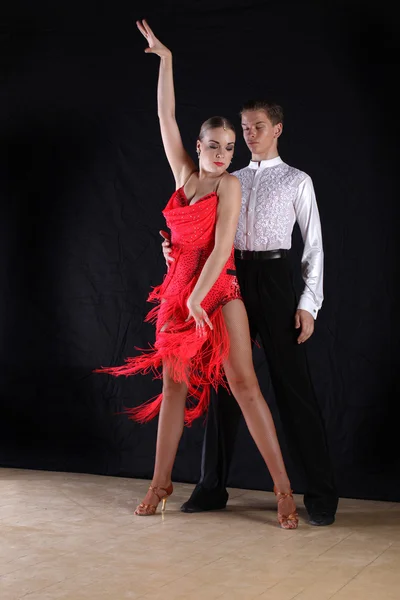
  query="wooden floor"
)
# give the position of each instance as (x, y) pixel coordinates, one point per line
(74, 536)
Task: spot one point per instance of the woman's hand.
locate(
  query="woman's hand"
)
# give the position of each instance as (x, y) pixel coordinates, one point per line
(155, 46)
(200, 316)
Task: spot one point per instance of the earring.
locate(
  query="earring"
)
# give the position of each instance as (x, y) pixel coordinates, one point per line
(198, 151)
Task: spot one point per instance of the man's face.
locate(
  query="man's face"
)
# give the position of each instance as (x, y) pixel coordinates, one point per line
(259, 134)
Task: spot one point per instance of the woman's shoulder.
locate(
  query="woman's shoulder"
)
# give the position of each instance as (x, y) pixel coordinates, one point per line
(229, 183)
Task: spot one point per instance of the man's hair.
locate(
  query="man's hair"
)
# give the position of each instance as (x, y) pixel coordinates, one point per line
(273, 111)
(215, 123)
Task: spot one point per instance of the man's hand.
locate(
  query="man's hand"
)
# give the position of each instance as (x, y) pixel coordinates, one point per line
(304, 321)
(166, 247)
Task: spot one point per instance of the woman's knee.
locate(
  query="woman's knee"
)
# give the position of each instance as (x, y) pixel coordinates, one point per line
(172, 388)
(245, 389)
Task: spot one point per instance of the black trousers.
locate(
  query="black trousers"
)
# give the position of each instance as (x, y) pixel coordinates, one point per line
(270, 300)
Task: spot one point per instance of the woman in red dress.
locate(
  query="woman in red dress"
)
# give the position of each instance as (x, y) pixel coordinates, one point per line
(202, 331)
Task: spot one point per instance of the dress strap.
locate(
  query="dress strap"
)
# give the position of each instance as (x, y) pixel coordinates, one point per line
(190, 174)
(218, 182)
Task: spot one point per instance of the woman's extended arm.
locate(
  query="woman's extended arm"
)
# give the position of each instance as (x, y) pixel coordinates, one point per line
(227, 220)
(179, 160)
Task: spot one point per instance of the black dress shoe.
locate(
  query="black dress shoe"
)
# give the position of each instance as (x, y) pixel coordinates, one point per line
(202, 500)
(321, 519)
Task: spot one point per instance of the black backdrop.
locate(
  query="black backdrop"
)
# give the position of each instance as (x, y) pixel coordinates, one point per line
(83, 182)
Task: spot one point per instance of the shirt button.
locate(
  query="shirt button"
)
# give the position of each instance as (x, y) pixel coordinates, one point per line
(250, 209)
(249, 233)
(253, 188)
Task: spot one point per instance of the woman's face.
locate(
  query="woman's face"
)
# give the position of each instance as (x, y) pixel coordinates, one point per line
(216, 149)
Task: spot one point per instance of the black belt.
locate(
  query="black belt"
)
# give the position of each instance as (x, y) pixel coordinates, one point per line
(260, 254)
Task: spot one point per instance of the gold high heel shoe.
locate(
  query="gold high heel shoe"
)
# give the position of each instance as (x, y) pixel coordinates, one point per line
(150, 509)
(291, 521)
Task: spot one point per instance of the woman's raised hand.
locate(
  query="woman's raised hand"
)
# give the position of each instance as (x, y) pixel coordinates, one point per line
(155, 46)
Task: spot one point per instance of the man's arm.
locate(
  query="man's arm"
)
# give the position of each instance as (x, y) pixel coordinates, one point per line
(312, 261)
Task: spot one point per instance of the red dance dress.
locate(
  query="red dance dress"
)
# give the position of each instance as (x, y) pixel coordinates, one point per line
(190, 358)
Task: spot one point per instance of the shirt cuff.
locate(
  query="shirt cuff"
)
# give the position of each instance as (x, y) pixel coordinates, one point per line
(307, 304)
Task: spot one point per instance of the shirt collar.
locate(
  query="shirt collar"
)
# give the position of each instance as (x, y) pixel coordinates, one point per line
(271, 162)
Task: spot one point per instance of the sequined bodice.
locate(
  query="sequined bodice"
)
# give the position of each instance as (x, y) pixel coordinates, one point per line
(191, 224)
(192, 241)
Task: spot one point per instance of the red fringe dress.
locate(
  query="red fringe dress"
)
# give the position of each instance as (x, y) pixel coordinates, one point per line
(190, 358)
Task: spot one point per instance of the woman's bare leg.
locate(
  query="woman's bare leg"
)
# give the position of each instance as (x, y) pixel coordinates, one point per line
(244, 385)
(170, 428)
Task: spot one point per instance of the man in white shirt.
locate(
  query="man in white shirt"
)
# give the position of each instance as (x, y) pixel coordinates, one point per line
(274, 196)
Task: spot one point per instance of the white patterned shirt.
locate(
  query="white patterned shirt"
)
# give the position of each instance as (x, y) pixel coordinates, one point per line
(274, 197)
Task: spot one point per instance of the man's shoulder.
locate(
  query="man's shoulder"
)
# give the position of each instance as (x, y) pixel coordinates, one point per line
(239, 172)
(244, 176)
(295, 174)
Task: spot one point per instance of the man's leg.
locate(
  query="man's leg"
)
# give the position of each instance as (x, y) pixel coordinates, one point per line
(218, 444)
(298, 407)
(221, 428)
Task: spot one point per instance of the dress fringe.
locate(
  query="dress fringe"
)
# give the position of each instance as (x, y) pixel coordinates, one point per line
(197, 360)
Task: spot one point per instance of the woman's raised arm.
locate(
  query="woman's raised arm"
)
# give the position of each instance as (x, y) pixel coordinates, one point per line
(179, 160)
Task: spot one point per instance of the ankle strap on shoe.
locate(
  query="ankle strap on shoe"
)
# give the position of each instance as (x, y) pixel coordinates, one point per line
(154, 489)
(284, 495)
